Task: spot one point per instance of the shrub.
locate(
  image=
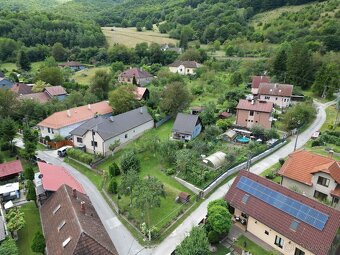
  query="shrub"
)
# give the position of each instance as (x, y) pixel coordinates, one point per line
(170, 171)
(81, 156)
(113, 186)
(129, 161)
(38, 243)
(281, 161)
(213, 237)
(114, 169)
(29, 173)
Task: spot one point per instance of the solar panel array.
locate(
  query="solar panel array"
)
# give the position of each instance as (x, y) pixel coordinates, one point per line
(284, 203)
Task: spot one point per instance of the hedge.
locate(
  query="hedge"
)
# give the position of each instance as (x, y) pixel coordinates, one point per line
(81, 156)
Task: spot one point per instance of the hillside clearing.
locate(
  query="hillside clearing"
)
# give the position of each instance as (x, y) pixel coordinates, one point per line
(84, 77)
(130, 37)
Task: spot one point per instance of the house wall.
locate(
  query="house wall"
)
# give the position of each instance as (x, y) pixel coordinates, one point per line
(244, 119)
(196, 131)
(140, 81)
(282, 102)
(254, 91)
(289, 183)
(6, 84)
(182, 70)
(61, 97)
(258, 229)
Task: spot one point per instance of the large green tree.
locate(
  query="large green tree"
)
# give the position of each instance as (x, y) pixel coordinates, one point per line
(31, 195)
(101, 84)
(195, 244)
(8, 103)
(51, 75)
(128, 183)
(8, 130)
(129, 162)
(219, 219)
(327, 80)
(23, 61)
(59, 52)
(298, 116)
(15, 220)
(123, 99)
(30, 139)
(9, 247)
(279, 68)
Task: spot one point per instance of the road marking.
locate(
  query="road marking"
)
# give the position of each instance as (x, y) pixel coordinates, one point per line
(113, 223)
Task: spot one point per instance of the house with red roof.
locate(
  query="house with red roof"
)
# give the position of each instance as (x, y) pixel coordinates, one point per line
(289, 222)
(75, 66)
(313, 175)
(255, 83)
(254, 112)
(50, 178)
(64, 122)
(136, 76)
(141, 93)
(10, 170)
(279, 94)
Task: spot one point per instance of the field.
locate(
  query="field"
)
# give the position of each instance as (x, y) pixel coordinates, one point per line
(10, 67)
(130, 37)
(84, 77)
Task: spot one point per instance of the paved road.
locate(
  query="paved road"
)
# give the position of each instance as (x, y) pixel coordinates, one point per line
(120, 236)
(177, 236)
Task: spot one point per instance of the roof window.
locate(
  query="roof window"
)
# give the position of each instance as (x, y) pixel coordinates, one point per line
(56, 209)
(61, 225)
(245, 198)
(294, 225)
(66, 241)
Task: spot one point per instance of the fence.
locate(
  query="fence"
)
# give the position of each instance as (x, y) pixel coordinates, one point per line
(162, 121)
(57, 145)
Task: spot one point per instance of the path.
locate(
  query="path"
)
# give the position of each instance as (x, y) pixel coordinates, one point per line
(177, 236)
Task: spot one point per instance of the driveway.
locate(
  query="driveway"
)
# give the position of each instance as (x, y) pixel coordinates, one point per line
(120, 236)
(177, 236)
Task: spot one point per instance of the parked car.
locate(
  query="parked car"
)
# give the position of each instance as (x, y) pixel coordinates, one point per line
(62, 152)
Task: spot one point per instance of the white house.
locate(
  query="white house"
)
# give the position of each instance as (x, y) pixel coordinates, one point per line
(62, 123)
(184, 67)
(279, 94)
(99, 133)
(313, 175)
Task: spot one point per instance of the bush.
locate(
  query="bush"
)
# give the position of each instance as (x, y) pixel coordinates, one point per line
(281, 161)
(114, 169)
(170, 171)
(81, 156)
(129, 161)
(38, 243)
(317, 142)
(213, 237)
(113, 186)
(29, 173)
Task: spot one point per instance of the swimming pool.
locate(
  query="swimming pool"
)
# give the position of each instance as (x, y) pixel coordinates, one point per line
(242, 139)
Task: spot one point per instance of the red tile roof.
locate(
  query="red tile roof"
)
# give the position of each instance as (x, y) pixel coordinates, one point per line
(56, 176)
(40, 97)
(276, 89)
(135, 72)
(255, 105)
(63, 220)
(21, 89)
(55, 90)
(301, 165)
(336, 191)
(71, 64)
(317, 241)
(77, 114)
(9, 168)
(256, 80)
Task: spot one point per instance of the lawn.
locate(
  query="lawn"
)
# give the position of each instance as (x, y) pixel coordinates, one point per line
(251, 246)
(221, 250)
(269, 170)
(130, 37)
(84, 77)
(10, 67)
(33, 225)
(331, 112)
(6, 156)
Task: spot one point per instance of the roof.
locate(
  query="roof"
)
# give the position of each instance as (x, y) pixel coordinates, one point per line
(76, 115)
(81, 232)
(185, 123)
(183, 195)
(55, 90)
(21, 89)
(53, 177)
(225, 114)
(301, 165)
(217, 159)
(40, 97)
(315, 240)
(186, 64)
(108, 128)
(255, 105)
(135, 72)
(276, 89)
(9, 187)
(256, 80)
(9, 168)
(71, 64)
(139, 92)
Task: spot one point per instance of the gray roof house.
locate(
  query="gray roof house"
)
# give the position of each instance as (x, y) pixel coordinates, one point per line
(186, 127)
(97, 134)
(5, 83)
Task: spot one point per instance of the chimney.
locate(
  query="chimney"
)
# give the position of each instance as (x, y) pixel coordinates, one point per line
(82, 207)
(275, 85)
(330, 153)
(253, 101)
(68, 113)
(89, 106)
(141, 110)
(74, 192)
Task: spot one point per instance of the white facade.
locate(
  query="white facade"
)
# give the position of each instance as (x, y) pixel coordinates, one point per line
(102, 147)
(182, 70)
(279, 101)
(64, 131)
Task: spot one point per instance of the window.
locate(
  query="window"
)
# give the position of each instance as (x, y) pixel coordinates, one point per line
(52, 131)
(336, 200)
(251, 113)
(276, 99)
(66, 241)
(266, 232)
(126, 135)
(48, 130)
(79, 140)
(56, 209)
(95, 144)
(256, 121)
(323, 181)
(279, 242)
(266, 97)
(61, 225)
(298, 252)
(320, 195)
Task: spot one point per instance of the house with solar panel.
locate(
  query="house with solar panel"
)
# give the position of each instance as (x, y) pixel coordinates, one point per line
(289, 222)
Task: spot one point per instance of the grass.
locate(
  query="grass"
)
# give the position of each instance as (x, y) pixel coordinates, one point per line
(251, 246)
(10, 67)
(331, 112)
(130, 37)
(221, 250)
(6, 156)
(269, 170)
(84, 77)
(33, 224)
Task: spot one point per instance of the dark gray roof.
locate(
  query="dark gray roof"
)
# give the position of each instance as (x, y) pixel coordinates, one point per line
(185, 123)
(110, 127)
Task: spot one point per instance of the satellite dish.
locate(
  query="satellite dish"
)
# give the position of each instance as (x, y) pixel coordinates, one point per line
(40, 176)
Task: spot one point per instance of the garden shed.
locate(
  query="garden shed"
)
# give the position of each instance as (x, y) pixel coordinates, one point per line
(183, 197)
(215, 160)
(229, 135)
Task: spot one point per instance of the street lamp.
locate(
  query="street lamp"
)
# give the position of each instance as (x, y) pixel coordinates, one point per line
(297, 135)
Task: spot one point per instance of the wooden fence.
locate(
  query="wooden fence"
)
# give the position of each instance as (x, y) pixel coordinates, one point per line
(57, 145)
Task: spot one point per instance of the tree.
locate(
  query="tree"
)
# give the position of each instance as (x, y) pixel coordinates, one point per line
(219, 219)
(129, 162)
(112, 188)
(128, 184)
(9, 247)
(148, 25)
(38, 243)
(51, 75)
(195, 244)
(123, 99)
(224, 124)
(139, 26)
(208, 115)
(8, 130)
(23, 61)
(280, 65)
(31, 195)
(30, 139)
(15, 220)
(8, 103)
(117, 66)
(298, 115)
(39, 86)
(59, 52)
(101, 84)
(219, 202)
(184, 160)
(326, 81)
(236, 79)
(29, 173)
(176, 98)
(114, 169)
